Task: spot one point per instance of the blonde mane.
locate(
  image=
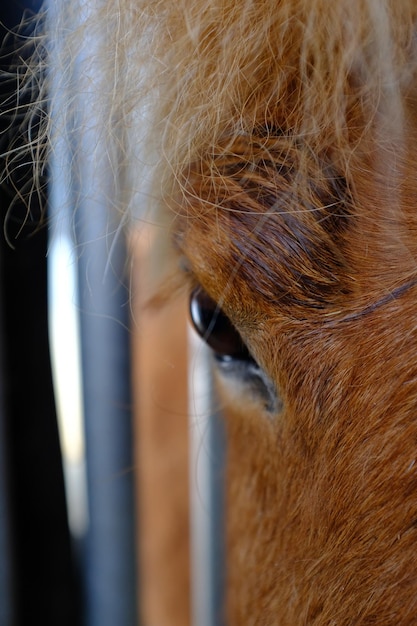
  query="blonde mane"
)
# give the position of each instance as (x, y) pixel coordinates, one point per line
(181, 81)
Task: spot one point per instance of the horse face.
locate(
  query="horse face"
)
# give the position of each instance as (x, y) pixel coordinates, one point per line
(304, 257)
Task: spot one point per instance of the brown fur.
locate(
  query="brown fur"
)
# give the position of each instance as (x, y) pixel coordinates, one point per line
(303, 228)
(281, 137)
(322, 498)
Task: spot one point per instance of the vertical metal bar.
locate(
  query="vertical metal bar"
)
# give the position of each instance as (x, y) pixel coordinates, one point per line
(207, 491)
(105, 347)
(63, 289)
(108, 550)
(104, 309)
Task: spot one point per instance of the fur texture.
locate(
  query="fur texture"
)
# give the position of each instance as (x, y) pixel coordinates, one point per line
(281, 136)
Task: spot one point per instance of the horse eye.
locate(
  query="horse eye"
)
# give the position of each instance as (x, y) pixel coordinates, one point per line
(215, 328)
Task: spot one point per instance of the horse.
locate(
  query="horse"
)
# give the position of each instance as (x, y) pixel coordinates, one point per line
(277, 138)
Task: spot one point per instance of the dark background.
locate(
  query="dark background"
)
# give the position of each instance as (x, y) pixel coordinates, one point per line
(38, 583)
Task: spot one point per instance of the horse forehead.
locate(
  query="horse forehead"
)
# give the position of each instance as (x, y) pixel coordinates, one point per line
(275, 230)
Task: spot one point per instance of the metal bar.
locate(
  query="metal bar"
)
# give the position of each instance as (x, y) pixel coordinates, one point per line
(104, 310)
(108, 553)
(207, 460)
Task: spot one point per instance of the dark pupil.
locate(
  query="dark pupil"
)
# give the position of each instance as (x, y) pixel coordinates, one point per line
(215, 327)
